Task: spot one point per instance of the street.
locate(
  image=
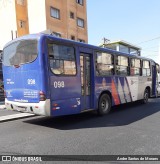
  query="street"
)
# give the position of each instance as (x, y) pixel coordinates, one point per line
(131, 129)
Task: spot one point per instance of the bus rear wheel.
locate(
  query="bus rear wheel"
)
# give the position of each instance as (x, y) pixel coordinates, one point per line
(145, 97)
(104, 105)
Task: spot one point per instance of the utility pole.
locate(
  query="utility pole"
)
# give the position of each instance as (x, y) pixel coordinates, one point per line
(105, 41)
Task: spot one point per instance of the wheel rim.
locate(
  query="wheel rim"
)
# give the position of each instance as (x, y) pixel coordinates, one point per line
(104, 105)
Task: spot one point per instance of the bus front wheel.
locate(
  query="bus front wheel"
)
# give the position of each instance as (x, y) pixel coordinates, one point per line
(104, 105)
(145, 97)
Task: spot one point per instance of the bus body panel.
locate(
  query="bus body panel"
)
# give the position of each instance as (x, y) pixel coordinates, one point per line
(62, 90)
(22, 85)
(123, 89)
(67, 89)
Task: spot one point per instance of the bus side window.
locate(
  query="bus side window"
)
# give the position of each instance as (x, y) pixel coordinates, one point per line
(135, 69)
(104, 64)
(146, 71)
(62, 59)
(122, 65)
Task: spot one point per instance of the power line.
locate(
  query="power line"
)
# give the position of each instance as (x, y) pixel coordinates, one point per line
(149, 40)
(150, 55)
(149, 50)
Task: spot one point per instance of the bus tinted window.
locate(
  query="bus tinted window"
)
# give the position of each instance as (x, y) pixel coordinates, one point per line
(62, 59)
(135, 67)
(20, 52)
(122, 66)
(104, 64)
(146, 71)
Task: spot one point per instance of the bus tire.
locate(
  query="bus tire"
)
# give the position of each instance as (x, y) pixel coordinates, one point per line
(104, 105)
(145, 97)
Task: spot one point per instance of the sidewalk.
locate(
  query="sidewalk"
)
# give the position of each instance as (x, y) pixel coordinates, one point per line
(9, 115)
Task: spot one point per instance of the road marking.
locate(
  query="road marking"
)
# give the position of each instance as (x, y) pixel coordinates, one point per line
(15, 116)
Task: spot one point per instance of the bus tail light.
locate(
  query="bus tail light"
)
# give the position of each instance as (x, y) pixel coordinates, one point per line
(42, 96)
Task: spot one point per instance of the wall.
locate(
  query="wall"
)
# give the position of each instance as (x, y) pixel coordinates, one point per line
(22, 16)
(8, 21)
(66, 26)
(57, 25)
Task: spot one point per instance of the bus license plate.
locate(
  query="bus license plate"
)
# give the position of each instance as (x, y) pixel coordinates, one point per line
(22, 108)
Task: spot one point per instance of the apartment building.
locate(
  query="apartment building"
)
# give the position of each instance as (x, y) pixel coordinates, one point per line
(65, 18)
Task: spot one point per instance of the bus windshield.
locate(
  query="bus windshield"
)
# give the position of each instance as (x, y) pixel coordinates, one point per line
(20, 52)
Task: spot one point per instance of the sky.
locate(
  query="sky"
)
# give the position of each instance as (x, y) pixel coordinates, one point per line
(134, 21)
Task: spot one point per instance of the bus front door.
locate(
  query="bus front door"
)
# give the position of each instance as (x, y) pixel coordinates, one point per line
(85, 65)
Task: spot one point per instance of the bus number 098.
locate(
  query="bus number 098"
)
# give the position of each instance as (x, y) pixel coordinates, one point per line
(59, 84)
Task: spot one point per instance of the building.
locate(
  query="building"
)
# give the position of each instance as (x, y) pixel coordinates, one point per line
(122, 46)
(65, 18)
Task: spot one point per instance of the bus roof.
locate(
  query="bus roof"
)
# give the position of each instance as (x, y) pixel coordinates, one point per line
(40, 35)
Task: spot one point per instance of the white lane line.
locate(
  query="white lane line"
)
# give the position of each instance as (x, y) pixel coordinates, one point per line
(15, 116)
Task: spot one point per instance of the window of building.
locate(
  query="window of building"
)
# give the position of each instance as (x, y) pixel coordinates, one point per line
(104, 64)
(133, 51)
(20, 2)
(81, 40)
(56, 34)
(72, 15)
(111, 46)
(123, 48)
(146, 71)
(55, 13)
(72, 37)
(62, 59)
(80, 22)
(135, 67)
(79, 2)
(21, 23)
(122, 66)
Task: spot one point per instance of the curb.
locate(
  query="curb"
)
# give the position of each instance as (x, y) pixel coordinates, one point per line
(15, 117)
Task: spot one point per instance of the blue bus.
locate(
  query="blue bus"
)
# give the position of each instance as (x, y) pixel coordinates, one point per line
(51, 76)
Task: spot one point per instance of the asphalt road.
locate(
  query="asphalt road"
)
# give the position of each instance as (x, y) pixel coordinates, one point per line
(132, 129)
